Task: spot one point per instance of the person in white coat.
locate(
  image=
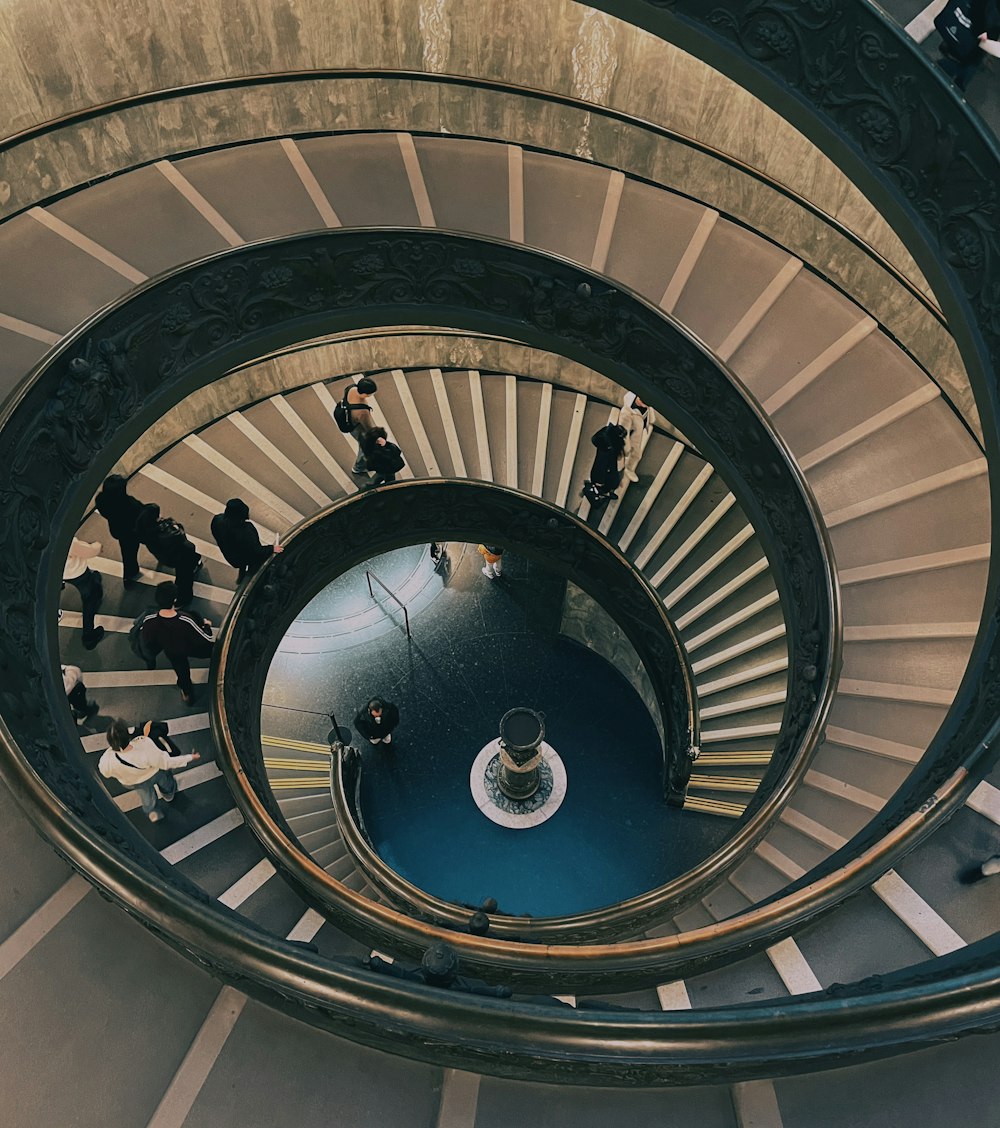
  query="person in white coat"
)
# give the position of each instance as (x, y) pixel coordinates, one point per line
(638, 420)
(139, 764)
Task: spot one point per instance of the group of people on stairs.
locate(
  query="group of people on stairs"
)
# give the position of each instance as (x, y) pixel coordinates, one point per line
(142, 758)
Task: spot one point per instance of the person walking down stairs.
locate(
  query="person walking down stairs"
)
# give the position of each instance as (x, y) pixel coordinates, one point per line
(166, 540)
(238, 539)
(121, 511)
(638, 420)
(141, 765)
(606, 471)
(382, 457)
(179, 634)
(353, 415)
(76, 694)
(88, 583)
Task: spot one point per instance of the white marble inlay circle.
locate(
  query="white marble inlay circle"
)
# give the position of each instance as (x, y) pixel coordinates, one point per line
(517, 820)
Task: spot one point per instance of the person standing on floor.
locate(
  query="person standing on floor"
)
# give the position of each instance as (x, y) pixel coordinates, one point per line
(179, 634)
(76, 694)
(140, 765)
(638, 419)
(492, 555)
(377, 720)
(358, 411)
(238, 539)
(166, 540)
(606, 471)
(121, 511)
(88, 583)
(382, 457)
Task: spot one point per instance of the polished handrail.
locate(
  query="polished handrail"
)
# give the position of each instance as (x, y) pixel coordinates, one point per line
(369, 576)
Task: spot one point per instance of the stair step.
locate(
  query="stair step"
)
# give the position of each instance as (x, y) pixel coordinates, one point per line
(714, 806)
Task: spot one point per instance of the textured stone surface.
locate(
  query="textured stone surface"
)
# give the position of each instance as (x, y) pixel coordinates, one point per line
(588, 623)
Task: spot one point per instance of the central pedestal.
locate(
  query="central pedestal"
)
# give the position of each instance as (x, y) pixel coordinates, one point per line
(521, 733)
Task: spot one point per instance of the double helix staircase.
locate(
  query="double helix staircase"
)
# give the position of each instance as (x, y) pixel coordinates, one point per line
(901, 486)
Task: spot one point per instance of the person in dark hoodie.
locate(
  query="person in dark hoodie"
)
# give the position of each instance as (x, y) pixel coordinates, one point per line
(377, 720)
(382, 457)
(121, 511)
(238, 539)
(166, 540)
(606, 472)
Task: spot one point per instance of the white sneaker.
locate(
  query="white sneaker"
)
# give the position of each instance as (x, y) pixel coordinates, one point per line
(487, 573)
(376, 740)
(387, 739)
(631, 475)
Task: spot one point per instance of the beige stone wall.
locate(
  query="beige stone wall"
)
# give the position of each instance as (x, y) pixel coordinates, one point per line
(588, 623)
(62, 56)
(113, 49)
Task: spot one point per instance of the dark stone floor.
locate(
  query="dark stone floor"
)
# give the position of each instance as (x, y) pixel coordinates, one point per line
(480, 647)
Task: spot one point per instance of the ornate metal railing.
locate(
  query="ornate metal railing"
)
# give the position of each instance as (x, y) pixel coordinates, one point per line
(121, 370)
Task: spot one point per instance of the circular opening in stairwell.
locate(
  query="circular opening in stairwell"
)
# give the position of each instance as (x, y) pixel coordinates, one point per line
(431, 798)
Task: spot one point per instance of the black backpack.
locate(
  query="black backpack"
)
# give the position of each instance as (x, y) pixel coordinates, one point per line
(342, 413)
(342, 416)
(137, 644)
(170, 533)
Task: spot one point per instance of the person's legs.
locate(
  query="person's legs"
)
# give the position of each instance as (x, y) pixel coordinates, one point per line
(130, 558)
(147, 799)
(91, 593)
(182, 669)
(167, 784)
(360, 466)
(77, 698)
(186, 567)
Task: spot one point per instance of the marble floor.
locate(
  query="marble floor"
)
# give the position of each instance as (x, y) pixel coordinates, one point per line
(478, 648)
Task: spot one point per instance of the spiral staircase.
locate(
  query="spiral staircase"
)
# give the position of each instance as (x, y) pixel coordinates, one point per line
(847, 885)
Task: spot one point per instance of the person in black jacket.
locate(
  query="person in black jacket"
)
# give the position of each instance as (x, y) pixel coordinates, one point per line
(238, 539)
(382, 457)
(121, 510)
(377, 720)
(969, 29)
(166, 540)
(178, 634)
(606, 472)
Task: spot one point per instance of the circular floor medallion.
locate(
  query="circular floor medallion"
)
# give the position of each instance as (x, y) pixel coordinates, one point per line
(517, 814)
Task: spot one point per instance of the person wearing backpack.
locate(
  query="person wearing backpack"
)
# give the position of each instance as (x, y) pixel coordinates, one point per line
(353, 414)
(141, 764)
(382, 457)
(166, 540)
(121, 510)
